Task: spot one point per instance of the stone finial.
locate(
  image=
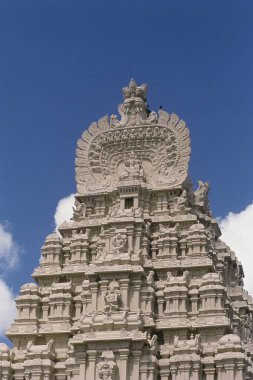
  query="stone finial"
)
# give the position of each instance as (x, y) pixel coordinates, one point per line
(134, 103)
(134, 91)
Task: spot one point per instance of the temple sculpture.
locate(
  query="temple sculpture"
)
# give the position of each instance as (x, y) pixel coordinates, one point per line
(137, 285)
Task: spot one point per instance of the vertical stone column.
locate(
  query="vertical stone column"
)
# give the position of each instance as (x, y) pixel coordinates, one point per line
(124, 287)
(184, 370)
(143, 371)
(219, 369)
(195, 371)
(136, 363)
(154, 249)
(173, 371)
(123, 370)
(193, 293)
(137, 245)
(94, 291)
(239, 371)
(130, 234)
(103, 288)
(92, 354)
(229, 371)
(209, 371)
(135, 302)
(82, 360)
(151, 374)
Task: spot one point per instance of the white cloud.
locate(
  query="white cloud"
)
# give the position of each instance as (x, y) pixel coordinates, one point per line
(8, 308)
(237, 233)
(9, 250)
(64, 210)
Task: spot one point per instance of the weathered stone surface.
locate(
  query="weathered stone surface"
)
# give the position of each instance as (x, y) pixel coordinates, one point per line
(137, 286)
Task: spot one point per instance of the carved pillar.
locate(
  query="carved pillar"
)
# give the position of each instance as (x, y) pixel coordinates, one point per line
(143, 371)
(82, 360)
(123, 373)
(219, 369)
(136, 363)
(84, 252)
(160, 302)
(137, 244)
(92, 354)
(151, 374)
(154, 249)
(135, 302)
(195, 371)
(103, 287)
(229, 371)
(209, 371)
(94, 290)
(240, 371)
(184, 370)
(173, 370)
(130, 233)
(124, 287)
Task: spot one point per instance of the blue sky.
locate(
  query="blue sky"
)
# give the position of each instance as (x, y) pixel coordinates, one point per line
(62, 66)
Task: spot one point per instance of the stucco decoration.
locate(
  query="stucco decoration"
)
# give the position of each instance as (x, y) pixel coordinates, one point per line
(158, 143)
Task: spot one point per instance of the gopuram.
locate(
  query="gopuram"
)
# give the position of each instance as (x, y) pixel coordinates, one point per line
(138, 285)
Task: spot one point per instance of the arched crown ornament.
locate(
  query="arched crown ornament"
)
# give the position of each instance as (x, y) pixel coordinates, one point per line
(159, 143)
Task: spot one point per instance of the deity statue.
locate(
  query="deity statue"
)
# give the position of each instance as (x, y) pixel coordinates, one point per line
(138, 212)
(79, 209)
(153, 117)
(153, 343)
(161, 228)
(133, 167)
(200, 195)
(150, 278)
(114, 122)
(119, 243)
(106, 367)
(113, 210)
(147, 227)
(112, 296)
(182, 201)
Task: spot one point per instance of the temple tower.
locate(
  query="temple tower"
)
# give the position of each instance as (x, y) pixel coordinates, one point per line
(137, 286)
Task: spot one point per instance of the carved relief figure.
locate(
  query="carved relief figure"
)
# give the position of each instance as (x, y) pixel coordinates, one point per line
(133, 167)
(201, 195)
(113, 210)
(182, 201)
(107, 366)
(119, 243)
(153, 344)
(79, 209)
(112, 296)
(150, 277)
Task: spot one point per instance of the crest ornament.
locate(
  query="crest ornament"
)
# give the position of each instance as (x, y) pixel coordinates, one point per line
(140, 142)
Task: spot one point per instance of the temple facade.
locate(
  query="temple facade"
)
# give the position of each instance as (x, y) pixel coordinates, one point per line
(137, 285)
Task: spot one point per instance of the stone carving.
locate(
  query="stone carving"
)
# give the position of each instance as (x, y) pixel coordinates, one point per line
(107, 366)
(182, 203)
(163, 145)
(113, 210)
(153, 344)
(200, 195)
(112, 297)
(150, 278)
(178, 279)
(132, 168)
(119, 243)
(79, 209)
(192, 342)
